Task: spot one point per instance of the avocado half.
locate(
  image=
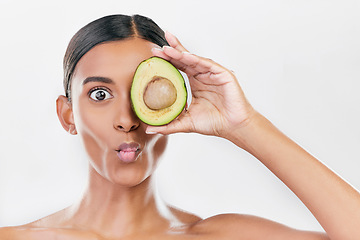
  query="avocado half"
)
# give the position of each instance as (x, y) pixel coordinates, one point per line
(158, 92)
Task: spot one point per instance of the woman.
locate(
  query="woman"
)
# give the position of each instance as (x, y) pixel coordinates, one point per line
(120, 202)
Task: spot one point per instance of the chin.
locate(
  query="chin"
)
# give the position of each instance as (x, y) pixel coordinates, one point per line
(130, 179)
(129, 175)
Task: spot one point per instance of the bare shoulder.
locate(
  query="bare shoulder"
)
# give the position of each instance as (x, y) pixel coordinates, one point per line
(7, 233)
(183, 216)
(30, 230)
(238, 226)
(31, 233)
(15, 233)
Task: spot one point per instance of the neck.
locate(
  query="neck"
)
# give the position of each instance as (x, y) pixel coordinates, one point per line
(118, 210)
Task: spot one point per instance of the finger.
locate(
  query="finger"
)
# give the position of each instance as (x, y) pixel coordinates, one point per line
(174, 42)
(215, 79)
(165, 130)
(158, 52)
(191, 63)
(200, 68)
(178, 59)
(176, 126)
(178, 64)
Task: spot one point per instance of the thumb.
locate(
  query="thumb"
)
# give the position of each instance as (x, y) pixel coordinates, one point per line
(175, 126)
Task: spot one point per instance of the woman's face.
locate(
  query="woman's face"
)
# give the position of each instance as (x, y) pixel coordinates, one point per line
(114, 138)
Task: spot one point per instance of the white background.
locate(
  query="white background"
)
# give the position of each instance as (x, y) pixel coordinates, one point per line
(297, 61)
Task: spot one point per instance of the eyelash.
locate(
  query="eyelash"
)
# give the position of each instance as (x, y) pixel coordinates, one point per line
(99, 88)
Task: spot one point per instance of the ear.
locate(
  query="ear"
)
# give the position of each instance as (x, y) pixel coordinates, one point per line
(65, 114)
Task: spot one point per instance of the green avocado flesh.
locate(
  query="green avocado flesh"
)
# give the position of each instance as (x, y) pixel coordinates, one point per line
(158, 92)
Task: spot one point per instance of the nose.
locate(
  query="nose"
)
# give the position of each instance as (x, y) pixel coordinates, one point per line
(125, 119)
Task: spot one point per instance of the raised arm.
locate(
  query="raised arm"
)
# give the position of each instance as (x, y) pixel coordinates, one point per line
(220, 108)
(334, 203)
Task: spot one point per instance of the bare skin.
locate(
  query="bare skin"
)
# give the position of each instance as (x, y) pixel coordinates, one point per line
(120, 201)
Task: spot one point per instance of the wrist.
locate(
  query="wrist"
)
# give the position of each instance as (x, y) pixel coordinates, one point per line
(244, 133)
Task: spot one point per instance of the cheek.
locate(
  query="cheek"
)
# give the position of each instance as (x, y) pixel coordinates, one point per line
(155, 147)
(94, 129)
(160, 146)
(94, 124)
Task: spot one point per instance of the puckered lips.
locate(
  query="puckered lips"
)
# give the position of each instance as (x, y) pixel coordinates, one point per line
(128, 152)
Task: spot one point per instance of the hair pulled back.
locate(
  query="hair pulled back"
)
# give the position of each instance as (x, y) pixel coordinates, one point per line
(105, 29)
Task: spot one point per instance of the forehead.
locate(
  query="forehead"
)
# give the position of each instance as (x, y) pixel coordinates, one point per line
(114, 59)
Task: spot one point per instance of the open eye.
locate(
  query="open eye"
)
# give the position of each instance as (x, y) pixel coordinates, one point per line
(99, 94)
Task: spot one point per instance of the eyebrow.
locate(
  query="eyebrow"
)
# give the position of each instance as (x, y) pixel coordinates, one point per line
(97, 79)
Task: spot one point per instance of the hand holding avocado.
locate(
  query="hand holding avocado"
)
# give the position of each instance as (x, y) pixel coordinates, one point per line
(218, 103)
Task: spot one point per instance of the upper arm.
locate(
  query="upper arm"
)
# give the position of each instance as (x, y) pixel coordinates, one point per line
(251, 227)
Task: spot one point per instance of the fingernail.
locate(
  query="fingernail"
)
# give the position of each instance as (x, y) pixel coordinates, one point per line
(150, 132)
(157, 49)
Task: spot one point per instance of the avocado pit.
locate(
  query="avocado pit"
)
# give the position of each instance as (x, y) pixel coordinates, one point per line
(159, 93)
